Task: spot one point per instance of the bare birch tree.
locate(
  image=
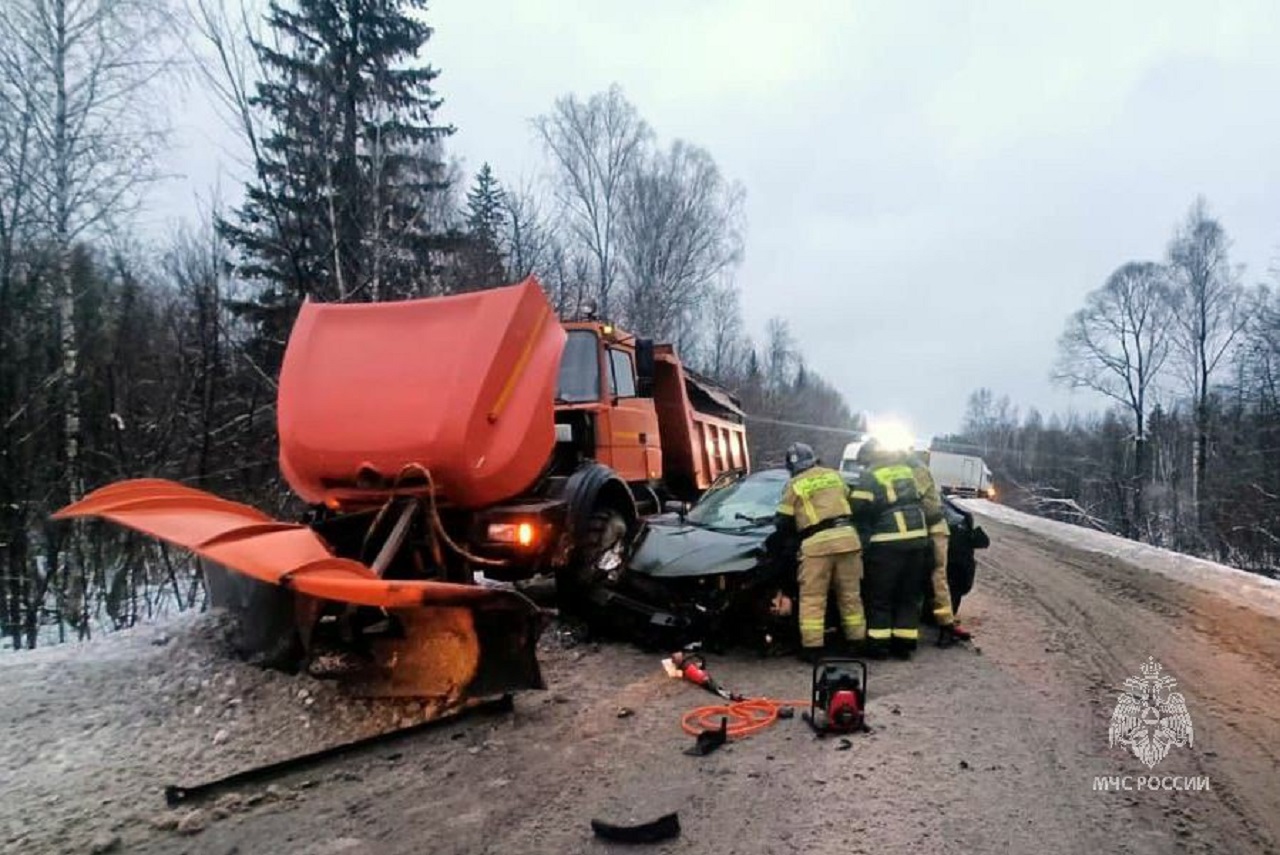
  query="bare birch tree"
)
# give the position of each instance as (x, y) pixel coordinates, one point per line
(726, 347)
(87, 72)
(16, 167)
(593, 146)
(1210, 315)
(527, 242)
(680, 231)
(1118, 345)
(87, 69)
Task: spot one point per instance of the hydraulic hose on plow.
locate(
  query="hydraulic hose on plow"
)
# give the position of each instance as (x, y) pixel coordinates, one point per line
(478, 649)
(434, 523)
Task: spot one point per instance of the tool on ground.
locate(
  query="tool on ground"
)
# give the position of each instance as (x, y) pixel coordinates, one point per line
(838, 702)
(176, 794)
(662, 828)
(709, 740)
(741, 716)
(693, 667)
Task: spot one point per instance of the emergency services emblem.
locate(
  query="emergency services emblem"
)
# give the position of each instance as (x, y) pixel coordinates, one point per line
(1150, 718)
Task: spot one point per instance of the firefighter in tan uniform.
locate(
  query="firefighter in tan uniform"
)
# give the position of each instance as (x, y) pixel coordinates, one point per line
(816, 505)
(949, 630)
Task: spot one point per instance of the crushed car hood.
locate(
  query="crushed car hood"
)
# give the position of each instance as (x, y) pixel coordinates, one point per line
(683, 550)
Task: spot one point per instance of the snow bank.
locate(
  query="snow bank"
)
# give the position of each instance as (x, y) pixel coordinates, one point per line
(105, 643)
(165, 702)
(1247, 589)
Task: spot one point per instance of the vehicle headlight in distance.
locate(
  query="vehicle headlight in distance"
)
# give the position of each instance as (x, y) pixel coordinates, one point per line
(892, 434)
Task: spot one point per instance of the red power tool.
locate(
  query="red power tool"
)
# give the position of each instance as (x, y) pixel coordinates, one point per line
(693, 668)
(839, 699)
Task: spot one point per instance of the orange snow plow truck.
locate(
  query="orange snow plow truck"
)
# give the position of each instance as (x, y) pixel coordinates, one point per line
(446, 447)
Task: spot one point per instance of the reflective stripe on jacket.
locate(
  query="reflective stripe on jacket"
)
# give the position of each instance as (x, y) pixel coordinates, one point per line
(887, 500)
(814, 496)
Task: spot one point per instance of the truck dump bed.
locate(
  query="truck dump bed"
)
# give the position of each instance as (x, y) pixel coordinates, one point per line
(702, 429)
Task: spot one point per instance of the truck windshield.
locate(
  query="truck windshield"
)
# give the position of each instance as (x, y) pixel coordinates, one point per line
(579, 369)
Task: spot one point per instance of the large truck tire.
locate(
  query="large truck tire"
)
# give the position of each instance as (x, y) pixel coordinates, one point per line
(601, 539)
(603, 542)
(604, 530)
(601, 515)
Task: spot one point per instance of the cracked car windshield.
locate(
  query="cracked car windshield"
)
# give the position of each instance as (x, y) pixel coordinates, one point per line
(749, 502)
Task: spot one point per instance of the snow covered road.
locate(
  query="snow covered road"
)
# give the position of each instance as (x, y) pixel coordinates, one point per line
(999, 747)
(1248, 589)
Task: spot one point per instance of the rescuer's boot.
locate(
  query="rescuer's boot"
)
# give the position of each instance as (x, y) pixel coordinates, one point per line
(853, 647)
(953, 634)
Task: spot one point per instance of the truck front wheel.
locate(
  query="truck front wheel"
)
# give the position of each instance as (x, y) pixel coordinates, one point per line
(601, 549)
(597, 558)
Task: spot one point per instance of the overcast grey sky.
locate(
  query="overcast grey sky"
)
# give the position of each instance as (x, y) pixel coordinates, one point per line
(931, 187)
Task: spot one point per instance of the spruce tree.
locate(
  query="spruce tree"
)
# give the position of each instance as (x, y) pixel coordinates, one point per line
(483, 262)
(340, 207)
(485, 216)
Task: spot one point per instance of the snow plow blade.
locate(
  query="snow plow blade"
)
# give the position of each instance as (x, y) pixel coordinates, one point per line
(450, 641)
(451, 654)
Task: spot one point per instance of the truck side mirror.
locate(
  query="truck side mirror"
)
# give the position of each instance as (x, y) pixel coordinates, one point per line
(644, 367)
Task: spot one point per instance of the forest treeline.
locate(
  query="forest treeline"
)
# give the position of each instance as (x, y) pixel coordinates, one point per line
(125, 355)
(1188, 456)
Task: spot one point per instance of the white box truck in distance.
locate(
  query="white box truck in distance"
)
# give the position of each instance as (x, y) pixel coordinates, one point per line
(961, 475)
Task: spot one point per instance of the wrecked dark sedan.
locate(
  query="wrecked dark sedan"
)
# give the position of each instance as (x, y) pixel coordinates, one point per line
(719, 573)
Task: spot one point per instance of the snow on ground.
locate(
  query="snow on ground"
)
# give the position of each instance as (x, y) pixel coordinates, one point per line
(155, 604)
(976, 748)
(160, 703)
(1242, 588)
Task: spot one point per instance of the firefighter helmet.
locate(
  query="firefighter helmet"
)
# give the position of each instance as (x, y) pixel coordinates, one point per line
(800, 457)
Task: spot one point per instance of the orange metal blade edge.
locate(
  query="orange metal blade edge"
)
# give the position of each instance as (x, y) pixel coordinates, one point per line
(243, 539)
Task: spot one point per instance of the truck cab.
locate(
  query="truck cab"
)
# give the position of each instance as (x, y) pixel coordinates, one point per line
(604, 400)
(631, 405)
